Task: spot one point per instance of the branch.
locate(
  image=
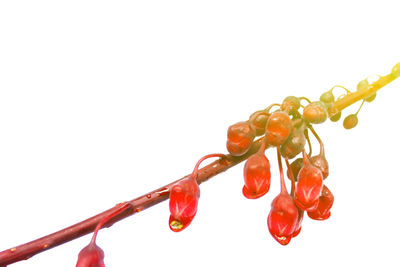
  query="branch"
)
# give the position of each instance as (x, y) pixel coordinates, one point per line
(25, 251)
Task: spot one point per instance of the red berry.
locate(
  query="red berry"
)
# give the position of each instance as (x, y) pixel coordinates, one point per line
(278, 128)
(283, 218)
(258, 120)
(294, 144)
(309, 186)
(290, 104)
(257, 176)
(299, 223)
(183, 200)
(240, 138)
(91, 256)
(315, 112)
(324, 205)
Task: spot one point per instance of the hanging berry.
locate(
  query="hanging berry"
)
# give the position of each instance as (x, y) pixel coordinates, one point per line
(322, 212)
(290, 104)
(336, 117)
(257, 175)
(240, 138)
(258, 120)
(309, 186)
(278, 128)
(295, 143)
(184, 197)
(92, 255)
(283, 216)
(350, 121)
(315, 112)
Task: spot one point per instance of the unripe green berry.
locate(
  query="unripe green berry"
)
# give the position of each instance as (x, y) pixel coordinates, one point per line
(336, 117)
(327, 97)
(370, 98)
(396, 70)
(290, 104)
(350, 121)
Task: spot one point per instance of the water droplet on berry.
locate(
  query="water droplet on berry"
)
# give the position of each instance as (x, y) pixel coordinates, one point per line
(176, 225)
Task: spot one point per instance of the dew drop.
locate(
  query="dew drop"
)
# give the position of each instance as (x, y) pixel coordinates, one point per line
(176, 225)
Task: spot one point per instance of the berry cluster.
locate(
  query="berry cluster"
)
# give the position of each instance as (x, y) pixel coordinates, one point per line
(287, 130)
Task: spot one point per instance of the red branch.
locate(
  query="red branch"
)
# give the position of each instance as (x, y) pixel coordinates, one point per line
(25, 251)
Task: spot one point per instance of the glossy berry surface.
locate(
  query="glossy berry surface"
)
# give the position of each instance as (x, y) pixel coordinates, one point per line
(315, 112)
(91, 256)
(294, 144)
(322, 212)
(257, 176)
(350, 121)
(240, 138)
(183, 201)
(299, 223)
(278, 128)
(258, 120)
(283, 218)
(321, 163)
(309, 187)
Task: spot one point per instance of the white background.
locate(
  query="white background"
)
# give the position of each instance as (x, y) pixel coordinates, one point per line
(103, 101)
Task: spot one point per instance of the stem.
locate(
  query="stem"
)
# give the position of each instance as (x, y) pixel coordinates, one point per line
(360, 107)
(283, 185)
(25, 251)
(122, 207)
(196, 168)
(321, 144)
(291, 177)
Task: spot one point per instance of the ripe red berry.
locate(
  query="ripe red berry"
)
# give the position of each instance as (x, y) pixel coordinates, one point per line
(257, 176)
(183, 200)
(240, 138)
(278, 128)
(258, 120)
(294, 144)
(283, 218)
(298, 224)
(315, 112)
(290, 104)
(350, 121)
(309, 186)
(91, 256)
(322, 212)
